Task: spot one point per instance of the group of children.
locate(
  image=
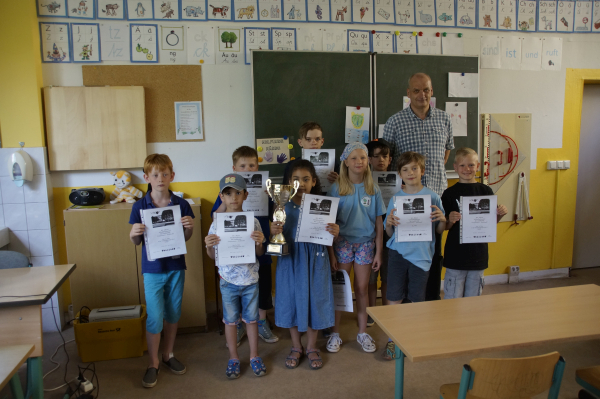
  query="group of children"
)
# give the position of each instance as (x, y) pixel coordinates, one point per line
(364, 240)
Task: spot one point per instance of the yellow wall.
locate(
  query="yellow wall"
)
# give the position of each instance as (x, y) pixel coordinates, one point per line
(20, 76)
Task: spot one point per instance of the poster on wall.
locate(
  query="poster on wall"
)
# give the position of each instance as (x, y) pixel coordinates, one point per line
(51, 8)
(111, 9)
(84, 9)
(194, 10)
(188, 120)
(245, 10)
(144, 43)
(85, 42)
(172, 45)
(54, 42)
(357, 124)
(114, 39)
(273, 151)
(200, 44)
(166, 10)
(334, 40)
(140, 10)
(229, 46)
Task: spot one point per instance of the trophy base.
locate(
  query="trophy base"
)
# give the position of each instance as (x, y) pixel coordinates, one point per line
(275, 249)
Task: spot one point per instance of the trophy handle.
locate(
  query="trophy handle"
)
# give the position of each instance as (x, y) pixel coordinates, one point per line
(295, 188)
(268, 184)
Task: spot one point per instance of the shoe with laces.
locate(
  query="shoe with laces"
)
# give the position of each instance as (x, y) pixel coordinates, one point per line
(265, 333)
(389, 353)
(334, 342)
(370, 321)
(367, 343)
(241, 332)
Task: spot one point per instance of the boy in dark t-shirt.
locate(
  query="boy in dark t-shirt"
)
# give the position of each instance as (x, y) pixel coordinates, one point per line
(464, 263)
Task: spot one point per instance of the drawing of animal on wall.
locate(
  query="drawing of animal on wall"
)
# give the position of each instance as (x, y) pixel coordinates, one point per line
(547, 23)
(81, 9)
(403, 18)
(466, 20)
(219, 10)
(507, 23)
(111, 9)
(487, 21)
(340, 14)
(166, 9)
(191, 11)
(52, 7)
(248, 12)
(425, 18)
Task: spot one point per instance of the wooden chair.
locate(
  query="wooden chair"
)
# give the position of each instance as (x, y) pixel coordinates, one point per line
(508, 378)
(589, 379)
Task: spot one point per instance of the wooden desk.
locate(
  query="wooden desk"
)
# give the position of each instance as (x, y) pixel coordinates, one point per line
(23, 291)
(448, 328)
(11, 358)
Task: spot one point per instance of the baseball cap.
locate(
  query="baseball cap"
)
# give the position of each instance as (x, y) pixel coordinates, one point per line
(377, 142)
(232, 180)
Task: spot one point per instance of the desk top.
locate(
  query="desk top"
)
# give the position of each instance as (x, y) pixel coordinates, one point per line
(31, 285)
(12, 358)
(448, 328)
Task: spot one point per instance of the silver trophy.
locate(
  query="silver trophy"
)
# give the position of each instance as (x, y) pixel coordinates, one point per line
(281, 194)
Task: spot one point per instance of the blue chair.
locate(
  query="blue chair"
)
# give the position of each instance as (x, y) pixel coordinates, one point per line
(508, 378)
(13, 260)
(589, 379)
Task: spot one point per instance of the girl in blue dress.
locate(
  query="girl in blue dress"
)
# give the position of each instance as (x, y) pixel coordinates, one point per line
(303, 290)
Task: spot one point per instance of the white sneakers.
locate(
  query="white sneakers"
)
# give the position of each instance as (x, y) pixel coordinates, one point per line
(334, 342)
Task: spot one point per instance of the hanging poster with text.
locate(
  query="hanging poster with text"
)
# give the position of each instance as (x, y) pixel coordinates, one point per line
(510, 57)
(309, 38)
(531, 53)
(273, 151)
(200, 44)
(335, 40)
(230, 48)
(188, 120)
(114, 39)
(551, 53)
(144, 43)
(547, 16)
(359, 40)
(488, 11)
(490, 52)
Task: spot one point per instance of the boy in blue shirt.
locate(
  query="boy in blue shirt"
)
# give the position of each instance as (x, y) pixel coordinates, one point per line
(409, 262)
(164, 277)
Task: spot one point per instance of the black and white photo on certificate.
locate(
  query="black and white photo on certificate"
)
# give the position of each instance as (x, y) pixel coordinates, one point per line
(162, 218)
(388, 179)
(320, 207)
(478, 206)
(320, 159)
(235, 223)
(254, 181)
(413, 205)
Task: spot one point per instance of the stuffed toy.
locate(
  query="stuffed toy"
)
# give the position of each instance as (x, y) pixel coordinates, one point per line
(124, 192)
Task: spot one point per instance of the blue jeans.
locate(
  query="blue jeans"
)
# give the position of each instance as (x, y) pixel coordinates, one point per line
(462, 283)
(239, 299)
(164, 292)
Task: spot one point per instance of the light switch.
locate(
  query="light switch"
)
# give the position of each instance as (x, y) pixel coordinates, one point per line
(559, 165)
(567, 164)
(551, 165)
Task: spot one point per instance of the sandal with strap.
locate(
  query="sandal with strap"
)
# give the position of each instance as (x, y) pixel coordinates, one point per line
(233, 369)
(258, 367)
(313, 361)
(294, 358)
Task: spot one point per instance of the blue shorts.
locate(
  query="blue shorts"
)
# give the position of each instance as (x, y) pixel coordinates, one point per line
(405, 280)
(239, 299)
(164, 292)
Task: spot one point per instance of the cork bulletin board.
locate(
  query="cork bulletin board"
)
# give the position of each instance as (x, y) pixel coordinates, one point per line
(163, 86)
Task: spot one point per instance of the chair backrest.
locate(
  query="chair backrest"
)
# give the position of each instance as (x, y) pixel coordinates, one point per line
(13, 260)
(515, 378)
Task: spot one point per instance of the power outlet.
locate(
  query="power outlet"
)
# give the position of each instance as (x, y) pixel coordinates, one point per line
(513, 274)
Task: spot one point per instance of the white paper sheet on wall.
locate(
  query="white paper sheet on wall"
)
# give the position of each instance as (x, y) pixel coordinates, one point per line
(551, 53)
(309, 39)
(490, 52)
(380, 132)
(335, 39)
(453, 45)
(531, 53)
(458, 116)
(114, 40)
(172, 50)
(200, 44)
(429, 44)
(463, 85)
(511, 53)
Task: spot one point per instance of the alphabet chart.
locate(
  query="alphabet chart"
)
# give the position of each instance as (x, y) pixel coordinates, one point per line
(596, 19)
(81, 9)
(359, 40)
(218, 10)
(193, 10)
(425, 12)
(115, 42)
(255, 39)
(140, 10)
(341, 11)
(383, 42)
(86, 42)
(507, 15)
(384, 11)
(564, 16)
(144, 43)
(54, 40)
(166, 10)
(284, 39)
(405, 12)
(309, 38)
(487, 14)
(230, 48)
(362, 11)
(429, 44)
(466, 13)
(245, 10)
(406, 43)
(294, 10)
(547, 16)
(270, 10)
(318, 10)
(51, 8)
(526, 18)
(335, 40)
(200, 44)
(445, 12)
(583, 16)
(111, 9)
(172, 45)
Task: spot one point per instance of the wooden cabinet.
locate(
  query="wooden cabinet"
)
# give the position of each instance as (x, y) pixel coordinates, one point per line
(95, 127)
(109, 265)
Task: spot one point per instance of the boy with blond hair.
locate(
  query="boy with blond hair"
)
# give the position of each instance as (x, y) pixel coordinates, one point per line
(164, 277)
(464, 263)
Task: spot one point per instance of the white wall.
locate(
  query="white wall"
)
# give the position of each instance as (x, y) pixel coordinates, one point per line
(227, 96)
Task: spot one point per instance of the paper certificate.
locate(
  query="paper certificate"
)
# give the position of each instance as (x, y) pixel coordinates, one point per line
(258, 199)
(414, 212)
(389, 183)
(163, 236)
(236, 246)
(478, 219)
(324, 162)
(315, 212)
(342, 291)
(188, 120)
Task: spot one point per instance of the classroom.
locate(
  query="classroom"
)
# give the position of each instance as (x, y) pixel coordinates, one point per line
(554, 249)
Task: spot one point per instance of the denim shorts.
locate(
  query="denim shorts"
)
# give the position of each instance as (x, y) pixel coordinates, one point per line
(462, 283)
(405, 280)
(361, 253)
(164, 292)
(239, 299)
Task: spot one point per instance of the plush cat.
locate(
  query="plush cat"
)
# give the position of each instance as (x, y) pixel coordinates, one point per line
(124, 191)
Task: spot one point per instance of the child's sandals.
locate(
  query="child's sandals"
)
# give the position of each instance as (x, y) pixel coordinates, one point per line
(258, 367)
(314, 363)
(295, 359)
(233, 369)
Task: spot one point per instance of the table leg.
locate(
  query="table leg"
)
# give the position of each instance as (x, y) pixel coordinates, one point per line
(399, 393)
(35, 382)
(15, 387)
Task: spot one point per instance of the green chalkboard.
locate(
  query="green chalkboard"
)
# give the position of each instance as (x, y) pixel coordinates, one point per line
(290, 88)
(392, 72)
